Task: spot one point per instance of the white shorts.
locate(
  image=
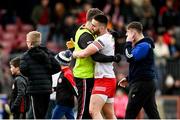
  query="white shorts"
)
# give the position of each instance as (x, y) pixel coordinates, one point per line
(106, 99)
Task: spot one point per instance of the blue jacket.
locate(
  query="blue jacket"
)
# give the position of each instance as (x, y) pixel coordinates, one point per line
(141, 60)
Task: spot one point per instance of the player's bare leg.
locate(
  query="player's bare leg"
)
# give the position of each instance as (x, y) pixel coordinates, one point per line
(108, 111)
(95, 107)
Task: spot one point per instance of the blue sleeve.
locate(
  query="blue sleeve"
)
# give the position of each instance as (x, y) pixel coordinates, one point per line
(140, 51)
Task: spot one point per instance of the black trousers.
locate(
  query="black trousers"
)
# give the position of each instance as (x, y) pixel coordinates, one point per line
(19, 115)
(40, 103)
(142, 95)
(84, 90)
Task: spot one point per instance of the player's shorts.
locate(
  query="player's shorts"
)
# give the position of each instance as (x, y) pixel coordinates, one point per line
(104, 87)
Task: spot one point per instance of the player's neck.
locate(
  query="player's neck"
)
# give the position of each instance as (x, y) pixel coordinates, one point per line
(88, 25)
(103, 32)
(140, 37)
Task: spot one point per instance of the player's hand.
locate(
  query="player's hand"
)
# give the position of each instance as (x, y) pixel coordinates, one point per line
(117, 58)
(77, 54)
(70, 44)
(130, 36)
(74, 54)
(122, 80)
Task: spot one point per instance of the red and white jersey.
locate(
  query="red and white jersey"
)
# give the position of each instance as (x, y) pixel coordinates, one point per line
(105, 44)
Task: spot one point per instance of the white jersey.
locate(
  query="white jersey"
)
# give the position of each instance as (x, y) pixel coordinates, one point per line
(105, 45)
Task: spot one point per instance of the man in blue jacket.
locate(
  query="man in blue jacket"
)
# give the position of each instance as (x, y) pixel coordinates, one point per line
(139, 54)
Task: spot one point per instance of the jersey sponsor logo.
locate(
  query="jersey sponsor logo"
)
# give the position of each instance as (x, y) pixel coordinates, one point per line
(98, 88)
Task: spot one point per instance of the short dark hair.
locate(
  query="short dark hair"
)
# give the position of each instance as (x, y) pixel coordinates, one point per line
(15, 62)
(92, 12)
(102, 19)
(135, 25)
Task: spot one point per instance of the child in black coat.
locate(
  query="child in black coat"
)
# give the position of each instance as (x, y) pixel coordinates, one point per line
(66, 88)
(19, 101)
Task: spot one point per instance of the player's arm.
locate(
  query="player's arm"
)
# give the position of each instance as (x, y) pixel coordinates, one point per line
(98, 57)
(138, 53)
(20, 91)
(90, 50)
(87, 39)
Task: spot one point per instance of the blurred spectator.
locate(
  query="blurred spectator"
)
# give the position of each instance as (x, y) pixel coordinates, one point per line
(137, 2)
(177, 36)
(161, 52)
(1, 69)
(177, 87)
(81, 16)
(170, 40)
(7, 16)
(7, 79)
(127, 11)
(177, 8)
(53, 47)
(113, 9)
(4, 66)
(41, 18)
(120, 103)
(148, 14)
(173, 72)
(145, 13)
(5, 112)
(169, 85)
(76, 6)
(70, 26)
(98, 3)
(151, 33)
(167, 14)
(57, 28)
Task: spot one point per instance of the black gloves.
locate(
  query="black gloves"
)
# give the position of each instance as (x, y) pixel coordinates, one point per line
(117, 58)
(114, 33)
(14, 109)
